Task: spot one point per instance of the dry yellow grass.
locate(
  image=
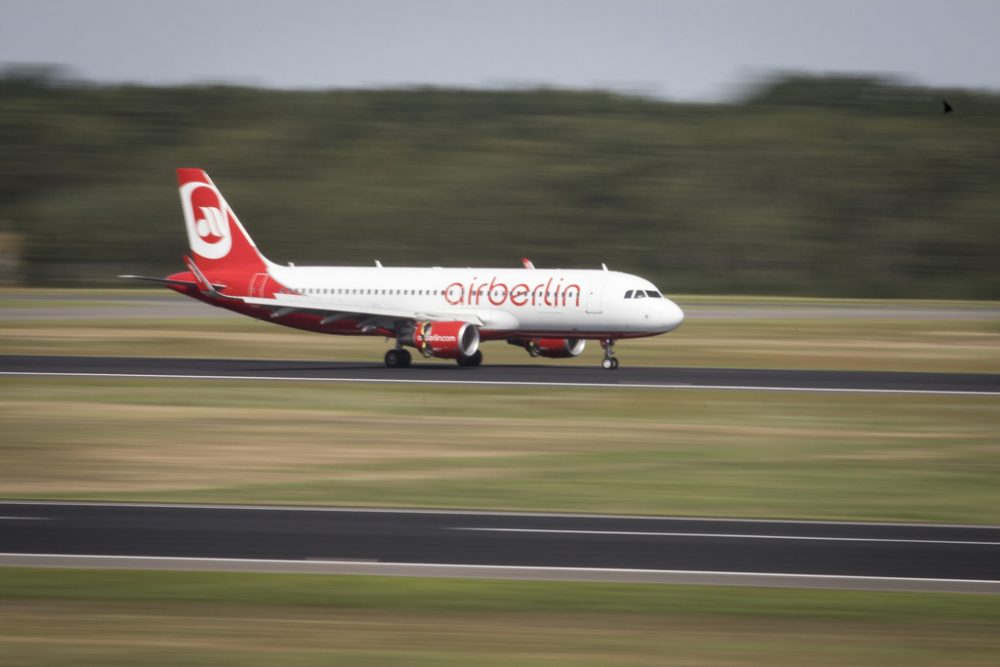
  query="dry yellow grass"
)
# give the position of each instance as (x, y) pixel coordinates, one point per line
(629, 450)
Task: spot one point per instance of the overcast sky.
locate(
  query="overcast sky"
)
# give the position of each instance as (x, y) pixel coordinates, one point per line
(690, 49)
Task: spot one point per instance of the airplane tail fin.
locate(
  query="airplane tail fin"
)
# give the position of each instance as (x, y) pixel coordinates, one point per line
(220, 246)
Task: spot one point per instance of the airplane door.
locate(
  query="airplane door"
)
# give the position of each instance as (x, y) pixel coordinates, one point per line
(595, 296)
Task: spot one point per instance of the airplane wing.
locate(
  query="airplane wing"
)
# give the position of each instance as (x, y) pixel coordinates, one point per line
(332, 309)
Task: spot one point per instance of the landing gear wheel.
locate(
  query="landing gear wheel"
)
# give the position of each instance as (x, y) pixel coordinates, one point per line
(610, 361)
(397, 358)
(471, 361)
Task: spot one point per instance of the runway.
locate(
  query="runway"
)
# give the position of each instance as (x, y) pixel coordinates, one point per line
(513, 375)
(502, 545)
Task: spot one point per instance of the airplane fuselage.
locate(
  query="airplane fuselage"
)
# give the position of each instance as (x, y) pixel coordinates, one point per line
(573, 303)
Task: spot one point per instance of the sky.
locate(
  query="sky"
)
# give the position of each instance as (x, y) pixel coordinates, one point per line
(695, 50)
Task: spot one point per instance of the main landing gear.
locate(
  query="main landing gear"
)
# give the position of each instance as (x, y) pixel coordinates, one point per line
(610, 361)
(475, 359)
(401, 358)
(398, 358)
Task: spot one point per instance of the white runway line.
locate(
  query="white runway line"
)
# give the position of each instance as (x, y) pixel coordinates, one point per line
(519, 572)
(508, 383)
(746, 536)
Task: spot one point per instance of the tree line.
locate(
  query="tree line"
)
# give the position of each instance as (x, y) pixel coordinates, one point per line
(833, 186)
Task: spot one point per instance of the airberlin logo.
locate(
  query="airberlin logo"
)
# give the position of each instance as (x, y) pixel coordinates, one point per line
(439, 338)
(208, 220)
(425, 334)
(553, 293)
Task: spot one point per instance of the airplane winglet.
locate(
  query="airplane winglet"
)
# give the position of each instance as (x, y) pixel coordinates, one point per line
(528, 264)
(206, 287)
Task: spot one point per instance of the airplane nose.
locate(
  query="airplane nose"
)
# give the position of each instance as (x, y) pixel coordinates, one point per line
(673, 315)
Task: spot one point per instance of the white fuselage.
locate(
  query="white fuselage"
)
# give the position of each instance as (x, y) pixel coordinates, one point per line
(572, 303)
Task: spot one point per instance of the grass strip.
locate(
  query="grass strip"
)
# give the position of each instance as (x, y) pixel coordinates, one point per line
(51, 617)
(663, 452)
(964, 341)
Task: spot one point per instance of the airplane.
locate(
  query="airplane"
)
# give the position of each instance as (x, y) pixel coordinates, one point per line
(441, 312)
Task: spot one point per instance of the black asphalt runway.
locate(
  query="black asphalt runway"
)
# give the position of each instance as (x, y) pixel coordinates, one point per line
(554, 374)
(309, 535)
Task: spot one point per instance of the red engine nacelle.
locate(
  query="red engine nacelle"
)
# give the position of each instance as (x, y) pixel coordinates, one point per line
(448, 340)
(553, 348)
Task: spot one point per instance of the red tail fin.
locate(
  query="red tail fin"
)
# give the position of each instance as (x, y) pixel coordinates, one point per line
(219, 243)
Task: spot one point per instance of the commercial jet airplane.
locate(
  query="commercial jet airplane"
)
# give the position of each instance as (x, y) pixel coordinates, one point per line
(441, 312)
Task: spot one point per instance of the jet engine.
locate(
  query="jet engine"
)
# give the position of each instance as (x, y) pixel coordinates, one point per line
(553, 348)
(447, 340)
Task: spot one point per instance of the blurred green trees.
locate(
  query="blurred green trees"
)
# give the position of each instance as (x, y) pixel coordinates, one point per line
(818, 186)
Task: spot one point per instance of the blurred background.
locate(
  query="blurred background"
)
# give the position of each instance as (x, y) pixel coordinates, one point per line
(710, 149)
(717, 147)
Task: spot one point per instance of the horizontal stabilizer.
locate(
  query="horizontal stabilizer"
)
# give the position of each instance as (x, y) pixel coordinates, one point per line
(169, 281)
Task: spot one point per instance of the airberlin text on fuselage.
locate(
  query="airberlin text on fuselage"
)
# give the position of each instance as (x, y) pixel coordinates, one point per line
(497, 294)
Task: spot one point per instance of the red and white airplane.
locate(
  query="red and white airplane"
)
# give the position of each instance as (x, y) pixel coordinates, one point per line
(441, 312)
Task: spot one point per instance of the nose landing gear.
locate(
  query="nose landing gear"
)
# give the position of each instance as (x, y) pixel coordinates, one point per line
(610, 361)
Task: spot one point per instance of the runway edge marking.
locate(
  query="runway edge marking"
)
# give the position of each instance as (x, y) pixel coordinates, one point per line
(724, 536)
(508, 383)
(522, 572)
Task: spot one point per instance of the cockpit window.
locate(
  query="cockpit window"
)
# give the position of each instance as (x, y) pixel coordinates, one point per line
(652, 293)
(639, 294)
(628, 294)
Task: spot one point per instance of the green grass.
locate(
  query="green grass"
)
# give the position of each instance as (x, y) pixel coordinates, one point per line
(967, 342)
(675, 452)
(55, 617)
